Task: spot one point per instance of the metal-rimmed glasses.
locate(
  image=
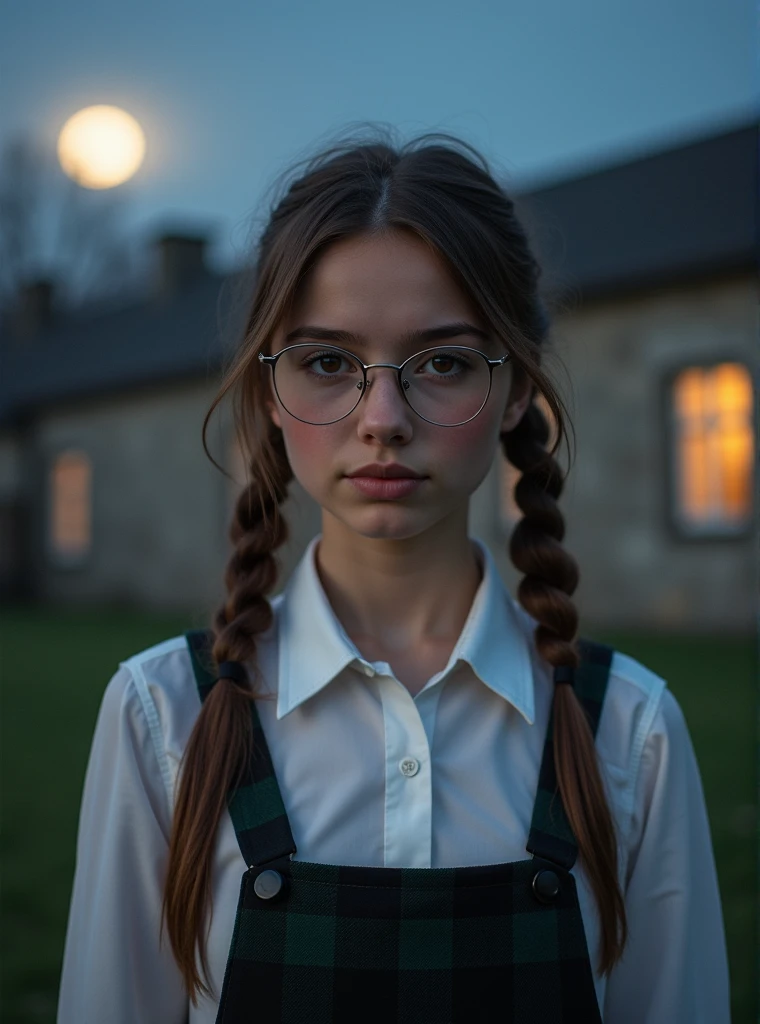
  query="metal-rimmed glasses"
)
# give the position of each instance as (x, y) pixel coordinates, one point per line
(321, 384)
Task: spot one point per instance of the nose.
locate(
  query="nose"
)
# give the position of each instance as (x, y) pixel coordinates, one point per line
(384, 414)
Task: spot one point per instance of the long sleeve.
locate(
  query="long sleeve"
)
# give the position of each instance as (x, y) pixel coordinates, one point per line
(675, 966)
(113, 967)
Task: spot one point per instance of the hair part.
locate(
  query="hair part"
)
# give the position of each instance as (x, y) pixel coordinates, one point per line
(443, 190)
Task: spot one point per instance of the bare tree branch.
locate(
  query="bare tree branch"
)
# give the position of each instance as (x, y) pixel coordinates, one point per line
(52, 228)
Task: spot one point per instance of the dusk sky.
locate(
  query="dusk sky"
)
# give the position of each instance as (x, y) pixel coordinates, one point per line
(229, 93)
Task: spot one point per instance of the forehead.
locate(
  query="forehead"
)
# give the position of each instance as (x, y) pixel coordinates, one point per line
(392, 280)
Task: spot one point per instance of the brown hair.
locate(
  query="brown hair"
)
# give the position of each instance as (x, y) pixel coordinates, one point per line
(443, 190)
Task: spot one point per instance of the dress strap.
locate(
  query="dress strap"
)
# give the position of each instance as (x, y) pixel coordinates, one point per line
(550, 834)
(256, 806)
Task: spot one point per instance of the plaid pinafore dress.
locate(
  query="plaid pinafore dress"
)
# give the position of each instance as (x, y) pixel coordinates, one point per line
(335, 944)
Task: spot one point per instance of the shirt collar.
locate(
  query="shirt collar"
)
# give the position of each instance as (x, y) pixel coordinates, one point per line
(314, 648)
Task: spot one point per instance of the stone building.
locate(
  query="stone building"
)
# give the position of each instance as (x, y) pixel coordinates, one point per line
(106, 495)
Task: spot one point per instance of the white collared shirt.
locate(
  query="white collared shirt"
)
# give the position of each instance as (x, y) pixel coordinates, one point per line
(373, 776)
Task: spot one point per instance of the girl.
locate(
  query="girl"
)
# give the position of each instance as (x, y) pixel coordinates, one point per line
(393, 793)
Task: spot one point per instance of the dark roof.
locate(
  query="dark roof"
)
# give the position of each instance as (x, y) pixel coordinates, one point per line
(685, 213)
(675, 215)
(166, 338)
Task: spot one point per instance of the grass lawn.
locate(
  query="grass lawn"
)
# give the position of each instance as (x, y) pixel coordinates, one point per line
(715, 682)
(53, 669)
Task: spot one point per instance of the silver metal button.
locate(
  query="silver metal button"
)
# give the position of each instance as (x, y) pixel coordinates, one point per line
(267, 884)
(409, 766)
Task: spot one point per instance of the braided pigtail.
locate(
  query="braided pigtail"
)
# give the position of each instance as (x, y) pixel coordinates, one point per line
(219, 746)
(551, 577)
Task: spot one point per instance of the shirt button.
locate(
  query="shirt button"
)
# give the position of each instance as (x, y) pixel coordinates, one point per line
(409, 766)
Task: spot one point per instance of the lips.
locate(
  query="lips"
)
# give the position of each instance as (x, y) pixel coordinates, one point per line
(390, 471)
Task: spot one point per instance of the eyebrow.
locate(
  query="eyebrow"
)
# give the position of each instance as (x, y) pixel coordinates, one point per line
(455, 330)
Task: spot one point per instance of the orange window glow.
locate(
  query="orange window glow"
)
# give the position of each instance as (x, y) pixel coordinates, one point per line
(714, 446)
(71, 513)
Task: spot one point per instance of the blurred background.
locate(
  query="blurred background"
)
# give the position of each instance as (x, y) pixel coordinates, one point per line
(140, 149)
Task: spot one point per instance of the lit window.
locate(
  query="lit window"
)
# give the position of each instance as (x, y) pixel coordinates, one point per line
(71, 506)
(510, 513)
(713, 448)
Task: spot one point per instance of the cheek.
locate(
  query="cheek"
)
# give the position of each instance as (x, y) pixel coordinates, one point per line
(471, 447)
(309, 448)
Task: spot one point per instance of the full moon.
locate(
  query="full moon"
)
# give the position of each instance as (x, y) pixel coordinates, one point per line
(100, 147)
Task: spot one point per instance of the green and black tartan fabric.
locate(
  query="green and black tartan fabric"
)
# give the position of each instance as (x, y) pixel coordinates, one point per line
(334, 944)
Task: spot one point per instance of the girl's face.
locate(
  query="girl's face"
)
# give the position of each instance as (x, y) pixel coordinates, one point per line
(380, 288)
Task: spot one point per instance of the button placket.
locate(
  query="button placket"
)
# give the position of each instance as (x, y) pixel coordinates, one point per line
(408, 792)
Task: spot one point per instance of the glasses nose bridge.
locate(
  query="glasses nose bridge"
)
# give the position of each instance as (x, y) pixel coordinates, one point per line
(372, 366)
(389, 366)
(397, 373)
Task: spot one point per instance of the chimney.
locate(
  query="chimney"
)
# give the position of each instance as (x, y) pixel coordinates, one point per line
(34, 308)
(181, 262)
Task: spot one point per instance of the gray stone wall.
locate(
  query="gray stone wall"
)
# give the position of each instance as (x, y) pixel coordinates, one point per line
(160, 509)
(156, 500)
(634, 569)
(12, 514)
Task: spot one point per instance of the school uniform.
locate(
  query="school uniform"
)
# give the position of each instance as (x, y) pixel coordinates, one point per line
(395, 851)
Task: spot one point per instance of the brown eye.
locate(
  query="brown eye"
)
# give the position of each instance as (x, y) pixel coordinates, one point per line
(443, 364)
(329, 364)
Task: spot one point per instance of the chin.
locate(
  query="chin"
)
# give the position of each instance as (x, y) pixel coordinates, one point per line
(388, 523)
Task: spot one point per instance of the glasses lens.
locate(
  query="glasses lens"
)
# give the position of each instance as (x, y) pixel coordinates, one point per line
(446, 385)
(317, 383)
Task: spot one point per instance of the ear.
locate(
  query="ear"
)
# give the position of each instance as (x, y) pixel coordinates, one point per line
(271, 404)
(520, 396)
(274, 414)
